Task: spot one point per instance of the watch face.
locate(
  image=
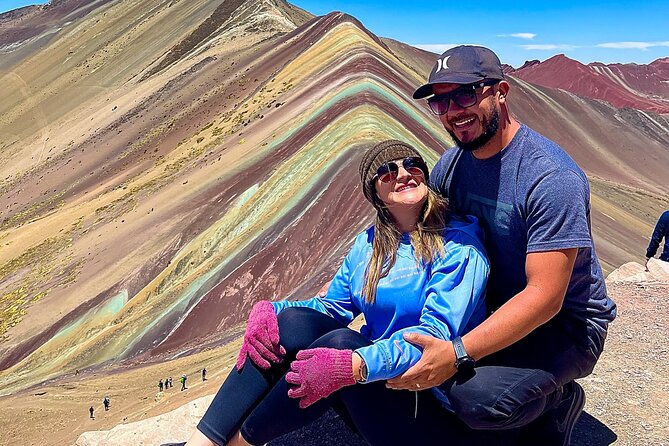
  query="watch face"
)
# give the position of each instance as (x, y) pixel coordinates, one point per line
(466, 363)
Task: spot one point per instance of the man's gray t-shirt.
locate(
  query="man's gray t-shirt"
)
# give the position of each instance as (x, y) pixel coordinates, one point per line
(530, 197)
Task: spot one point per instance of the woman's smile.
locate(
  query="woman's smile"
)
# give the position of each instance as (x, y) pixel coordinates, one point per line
(404, 187)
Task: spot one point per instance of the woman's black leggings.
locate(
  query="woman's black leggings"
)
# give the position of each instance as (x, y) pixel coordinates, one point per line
(256, 403)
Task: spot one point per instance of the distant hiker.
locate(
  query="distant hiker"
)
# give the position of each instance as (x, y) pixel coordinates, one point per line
(167, 383)
(91, 411)
(661, 231)
(160, 385)
(183, 381)
(204, 374)
(171, 384)
(76, 372)
(430, 280)
(106, 403)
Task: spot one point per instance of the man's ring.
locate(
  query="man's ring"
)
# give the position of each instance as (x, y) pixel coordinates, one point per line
(418, 386)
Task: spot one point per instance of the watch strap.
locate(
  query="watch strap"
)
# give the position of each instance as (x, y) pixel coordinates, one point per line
(459, 348)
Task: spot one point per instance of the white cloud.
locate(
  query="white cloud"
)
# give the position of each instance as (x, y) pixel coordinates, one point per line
(549, 47)
(436, 47)
(643, 46)
(527, 36)
(440, 47)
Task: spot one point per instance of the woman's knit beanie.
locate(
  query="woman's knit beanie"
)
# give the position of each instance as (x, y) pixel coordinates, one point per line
(378, 155)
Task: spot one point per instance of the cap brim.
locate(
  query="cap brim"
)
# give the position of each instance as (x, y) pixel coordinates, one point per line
(452, 78)
(423, 91)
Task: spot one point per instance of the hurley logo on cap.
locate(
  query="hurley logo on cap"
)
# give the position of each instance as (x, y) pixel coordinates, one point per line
(442, 64)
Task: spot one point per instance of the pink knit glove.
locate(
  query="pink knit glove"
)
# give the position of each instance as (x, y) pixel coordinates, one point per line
(318, 372)
(261, 340)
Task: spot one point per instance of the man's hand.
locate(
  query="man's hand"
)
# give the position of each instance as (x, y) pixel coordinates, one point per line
(435, 366)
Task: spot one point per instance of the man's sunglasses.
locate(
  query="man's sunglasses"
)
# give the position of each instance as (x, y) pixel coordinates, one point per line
(464, 96)
(387, 173)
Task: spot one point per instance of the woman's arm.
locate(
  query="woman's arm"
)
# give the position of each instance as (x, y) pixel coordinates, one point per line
(454, 304)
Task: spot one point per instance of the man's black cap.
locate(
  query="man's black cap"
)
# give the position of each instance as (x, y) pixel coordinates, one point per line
(465, 64)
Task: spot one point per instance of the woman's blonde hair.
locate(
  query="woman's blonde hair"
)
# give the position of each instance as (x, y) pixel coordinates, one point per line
(427, 240)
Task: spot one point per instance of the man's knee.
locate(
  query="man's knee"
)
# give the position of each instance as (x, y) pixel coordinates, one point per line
(501, 398)
(480, 417)
(477, 409)
(485, 417)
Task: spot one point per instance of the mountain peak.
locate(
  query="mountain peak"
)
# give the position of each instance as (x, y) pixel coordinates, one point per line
(643, 87)
(563, 60)
(660, 61)
(530, 63)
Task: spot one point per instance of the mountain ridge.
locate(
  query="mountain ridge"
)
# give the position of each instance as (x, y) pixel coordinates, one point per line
(640, 86)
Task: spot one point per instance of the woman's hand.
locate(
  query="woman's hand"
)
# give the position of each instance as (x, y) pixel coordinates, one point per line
(318, 372)
(261, 339)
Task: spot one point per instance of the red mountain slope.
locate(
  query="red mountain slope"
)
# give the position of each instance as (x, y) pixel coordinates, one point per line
(644, 87)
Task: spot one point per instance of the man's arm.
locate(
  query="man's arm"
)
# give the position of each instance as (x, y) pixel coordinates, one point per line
(548, 275)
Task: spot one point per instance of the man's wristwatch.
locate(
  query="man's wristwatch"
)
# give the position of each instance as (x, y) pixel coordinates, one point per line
(462, 360)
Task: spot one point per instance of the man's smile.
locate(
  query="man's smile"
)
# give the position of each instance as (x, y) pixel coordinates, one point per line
(463, 122)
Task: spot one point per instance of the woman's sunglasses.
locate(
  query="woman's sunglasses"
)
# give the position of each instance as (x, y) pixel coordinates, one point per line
(387, 173)
(464, 96)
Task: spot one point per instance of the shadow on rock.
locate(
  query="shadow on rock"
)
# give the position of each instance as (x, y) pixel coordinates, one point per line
(589, 431)
(330, 430)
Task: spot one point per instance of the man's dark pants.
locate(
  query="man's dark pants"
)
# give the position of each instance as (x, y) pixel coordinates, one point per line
(513, 387)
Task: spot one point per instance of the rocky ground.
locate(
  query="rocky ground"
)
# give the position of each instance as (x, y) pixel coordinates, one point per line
(627, 395)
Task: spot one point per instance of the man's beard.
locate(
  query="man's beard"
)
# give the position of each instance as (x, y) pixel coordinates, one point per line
(491, 128)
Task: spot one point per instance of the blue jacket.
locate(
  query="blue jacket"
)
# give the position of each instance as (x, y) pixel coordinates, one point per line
(661, 231)
(444, 299)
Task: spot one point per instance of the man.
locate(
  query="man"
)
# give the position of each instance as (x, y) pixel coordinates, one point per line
(550, 311)
(661, 231)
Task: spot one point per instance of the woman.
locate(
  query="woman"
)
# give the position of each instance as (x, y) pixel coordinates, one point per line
(417, 269)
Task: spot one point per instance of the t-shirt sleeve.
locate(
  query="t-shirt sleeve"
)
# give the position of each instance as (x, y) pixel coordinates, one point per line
(557, 212)
(455, 300)
(438, 175)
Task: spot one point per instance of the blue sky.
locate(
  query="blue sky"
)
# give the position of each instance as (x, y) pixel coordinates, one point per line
(604, 31)
(586, 30)
(6, 5)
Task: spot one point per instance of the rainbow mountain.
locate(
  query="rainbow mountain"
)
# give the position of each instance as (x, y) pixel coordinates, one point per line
(168, 163)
